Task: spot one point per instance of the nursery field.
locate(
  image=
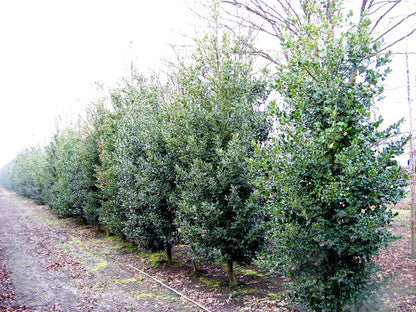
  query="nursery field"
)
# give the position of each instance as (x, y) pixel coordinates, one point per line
(50, 263)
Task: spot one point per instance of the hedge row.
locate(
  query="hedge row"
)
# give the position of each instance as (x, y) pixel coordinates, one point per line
(164, 164)
(193, 161)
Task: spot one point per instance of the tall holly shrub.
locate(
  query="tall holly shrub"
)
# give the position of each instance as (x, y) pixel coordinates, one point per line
(156, 178)
(21, 175)
(6, 175)
(38, 175)
(63, 174)
(68, 200)
(22, 182)
(137, 175)
(87, 156)
(26, 174)
(216, 115)
(331, 170)
(50, 186)
(119, 147)
(70, 183)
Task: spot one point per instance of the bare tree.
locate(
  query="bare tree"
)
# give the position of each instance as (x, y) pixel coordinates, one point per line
(392, 20)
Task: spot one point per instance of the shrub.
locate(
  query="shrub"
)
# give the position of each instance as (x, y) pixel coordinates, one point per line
(216, 117)
(331, 171)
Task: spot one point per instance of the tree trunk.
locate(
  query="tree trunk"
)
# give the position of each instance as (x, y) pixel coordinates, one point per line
(231, 276)
(169, 254)
(196, 266)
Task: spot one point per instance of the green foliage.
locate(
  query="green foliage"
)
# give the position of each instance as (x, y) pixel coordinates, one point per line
(73, 159)
(67, 167)
(50, 186)
(62, 174)
(215, 118)
(164, 165)
(89, 162)
(137, 176)
(157, 180)
(178, 163)
(331, 171)
(119, 147)
(26, 174)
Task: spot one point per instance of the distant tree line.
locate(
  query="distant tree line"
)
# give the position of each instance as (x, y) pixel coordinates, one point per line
(195, 160)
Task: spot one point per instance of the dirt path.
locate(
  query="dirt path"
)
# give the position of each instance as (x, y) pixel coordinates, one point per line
(47, 266)
(49, 263)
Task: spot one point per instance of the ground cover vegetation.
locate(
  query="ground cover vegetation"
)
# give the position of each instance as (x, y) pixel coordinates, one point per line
(196, 162)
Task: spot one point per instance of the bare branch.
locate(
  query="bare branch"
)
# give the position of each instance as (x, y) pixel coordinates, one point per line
(383, 15)
(398, 40)
(396, 25)
(274, 17)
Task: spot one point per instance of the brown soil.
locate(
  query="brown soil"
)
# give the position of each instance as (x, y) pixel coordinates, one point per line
(49, 263)
(399, 271)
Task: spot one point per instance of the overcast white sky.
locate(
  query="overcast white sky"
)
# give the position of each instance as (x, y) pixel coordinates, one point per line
(53, 51)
